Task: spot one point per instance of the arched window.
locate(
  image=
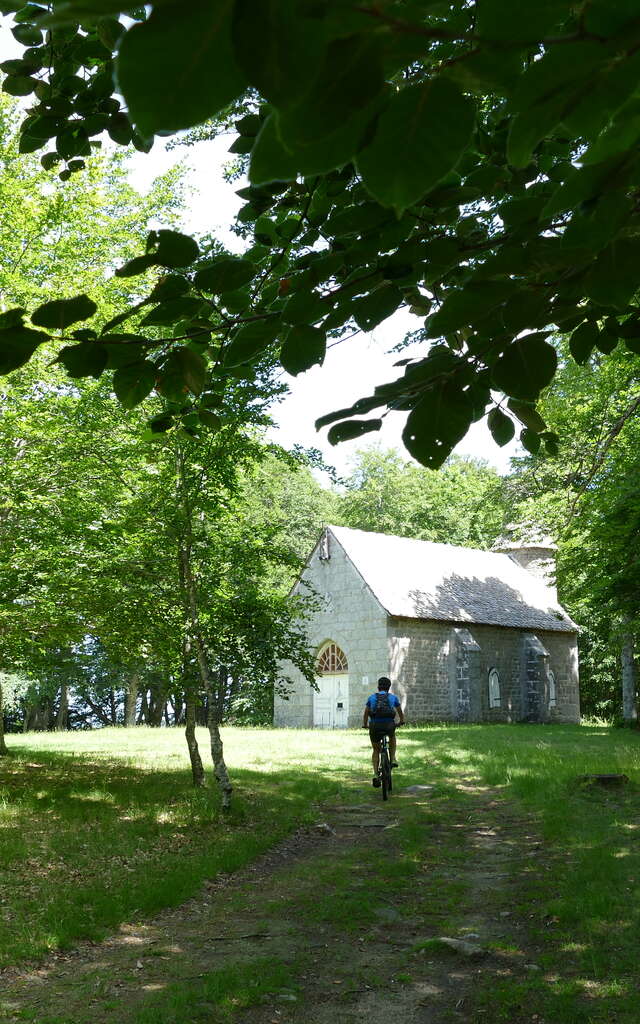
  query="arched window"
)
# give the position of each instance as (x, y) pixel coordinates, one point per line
(552, 690)
(494, 688)
(331, 659)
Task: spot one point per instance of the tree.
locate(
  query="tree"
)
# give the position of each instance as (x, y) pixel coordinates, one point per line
(479, 168)
(461, 504)
(587, 496)
(52, 234)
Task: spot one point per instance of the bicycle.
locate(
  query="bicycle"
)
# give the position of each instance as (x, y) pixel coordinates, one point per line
(384, 767)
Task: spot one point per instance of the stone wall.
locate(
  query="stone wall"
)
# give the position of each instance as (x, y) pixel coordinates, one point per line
(352, 618)
(440, 671)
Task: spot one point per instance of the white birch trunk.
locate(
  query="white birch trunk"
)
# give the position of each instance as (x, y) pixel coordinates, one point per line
(629, 681)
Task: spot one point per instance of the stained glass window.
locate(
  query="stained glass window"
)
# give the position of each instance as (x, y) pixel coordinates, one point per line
(494, 688)
(331, 659)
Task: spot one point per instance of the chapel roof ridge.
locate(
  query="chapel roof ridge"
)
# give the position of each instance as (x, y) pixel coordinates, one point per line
(412, 540)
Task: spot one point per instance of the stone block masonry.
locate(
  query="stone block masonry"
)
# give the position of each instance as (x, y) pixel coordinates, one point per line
(351, 617)
(439, 669)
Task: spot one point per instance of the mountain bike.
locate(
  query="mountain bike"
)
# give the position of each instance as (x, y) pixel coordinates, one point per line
(384, 768)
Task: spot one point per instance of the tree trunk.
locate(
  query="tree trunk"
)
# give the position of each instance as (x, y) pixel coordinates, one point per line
(217, 753)
(131, 700)
(178, 710)
(157, 711)
(144, 709)
(629, 681)
(113, 707)
(63, 709)
(197, 770)
(192, 615)
(3, 745)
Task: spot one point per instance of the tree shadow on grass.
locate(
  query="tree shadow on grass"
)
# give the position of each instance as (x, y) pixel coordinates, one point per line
(87, 843)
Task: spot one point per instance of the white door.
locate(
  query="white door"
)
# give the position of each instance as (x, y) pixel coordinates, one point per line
(331, 702)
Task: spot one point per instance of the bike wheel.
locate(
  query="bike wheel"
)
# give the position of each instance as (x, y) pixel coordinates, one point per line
(385, 771)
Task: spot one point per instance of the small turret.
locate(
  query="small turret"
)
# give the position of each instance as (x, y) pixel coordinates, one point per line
(532, 549)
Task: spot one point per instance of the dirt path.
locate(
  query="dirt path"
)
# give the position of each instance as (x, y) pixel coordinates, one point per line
(340, 923)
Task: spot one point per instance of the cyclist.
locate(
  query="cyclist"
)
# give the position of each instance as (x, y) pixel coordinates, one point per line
(380, 717)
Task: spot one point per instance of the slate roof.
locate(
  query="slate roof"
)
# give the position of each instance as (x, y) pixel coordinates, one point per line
(417, 579)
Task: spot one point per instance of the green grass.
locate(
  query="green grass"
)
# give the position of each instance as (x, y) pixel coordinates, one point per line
(104, 827)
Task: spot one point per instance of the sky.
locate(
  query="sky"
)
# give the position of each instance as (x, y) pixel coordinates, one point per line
(351, 369)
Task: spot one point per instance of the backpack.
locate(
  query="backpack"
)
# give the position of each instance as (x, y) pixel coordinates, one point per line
(383, 707)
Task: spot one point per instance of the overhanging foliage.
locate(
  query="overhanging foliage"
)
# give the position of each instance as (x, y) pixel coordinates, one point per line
(474, 163)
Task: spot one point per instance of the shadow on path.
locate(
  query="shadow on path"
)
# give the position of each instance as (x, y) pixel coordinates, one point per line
(339, 923)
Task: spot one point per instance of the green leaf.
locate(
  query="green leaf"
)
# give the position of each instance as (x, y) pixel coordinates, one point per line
(467, 305)
(303, 347)
(527, 414)
(274, 160)
(526, 367)
(530, 440)
(546, 92)
(270, 161)
(435, 425)
(134, 382)
(123, 317)
(12, 317)
(175, 249)
(225, 275)
(172, 311)
(606, 342)
(210, 419)
(351, 429)
(161, 423)
(614, 277)
(351, 79)
(73, 142)
(502, 427)
(372, 309)
(250, 125)
(19, 85)
(84, 360)
(137, 265)
(420, 136)
(304, 307)
(28, 35)
(62, 313)
(178, 68)
(551, 444)
(187, 366)
(241, 145)
(119, 129)
(583, 341)
(279, 47)
(361, 406)
(498, 23)
(49, 160)
(17, 345)
(171, 286)
(123, 349)
(251, 340)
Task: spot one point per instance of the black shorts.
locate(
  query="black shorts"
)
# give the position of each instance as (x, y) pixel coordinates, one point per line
(379, 729)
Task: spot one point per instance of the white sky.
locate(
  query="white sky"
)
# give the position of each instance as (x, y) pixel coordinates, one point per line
(351, 369)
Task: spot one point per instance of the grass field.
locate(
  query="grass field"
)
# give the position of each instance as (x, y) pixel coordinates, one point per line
(103, 827)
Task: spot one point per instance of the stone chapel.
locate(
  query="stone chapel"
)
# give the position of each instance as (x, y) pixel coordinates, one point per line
(464, 635)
